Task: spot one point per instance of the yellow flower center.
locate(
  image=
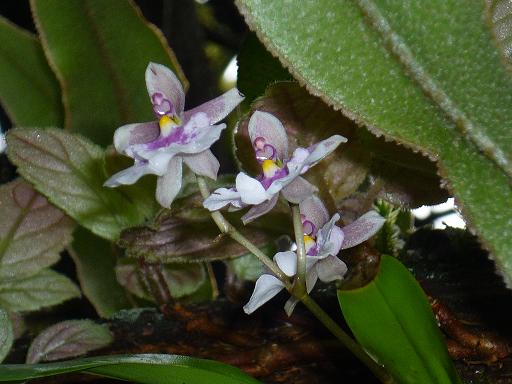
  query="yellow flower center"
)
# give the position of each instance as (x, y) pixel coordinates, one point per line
(309, 242)
(269, 168)
(167, 123)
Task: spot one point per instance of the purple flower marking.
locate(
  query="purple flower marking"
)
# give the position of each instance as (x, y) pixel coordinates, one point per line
(263, 150)
(161, 105)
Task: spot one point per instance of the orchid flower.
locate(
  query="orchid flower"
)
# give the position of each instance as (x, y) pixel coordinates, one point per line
(161, 147)
(323, 241)
(279, 172)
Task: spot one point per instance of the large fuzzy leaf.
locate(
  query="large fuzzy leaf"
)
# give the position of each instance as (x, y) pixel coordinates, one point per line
(6, 334)
(430, 77)
(145, 369)
(32, 231)
(29, 91)
(44, 289)
(99, 51)
(70, 171)
(393, 321)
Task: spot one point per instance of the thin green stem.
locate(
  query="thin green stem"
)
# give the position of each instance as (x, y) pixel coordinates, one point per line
(346, 340)
(299, 284)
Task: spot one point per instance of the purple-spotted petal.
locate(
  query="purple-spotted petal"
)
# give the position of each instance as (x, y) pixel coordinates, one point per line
(312, 274)
(202, 139)
(263, 125)
(139, 133)
(128, 176)
(362, 229)
(314, 210)
(169, 184)
(267, 286)
(203, 164)
(287, 262)
(218, 108)
(301, 162)
(259, 210)
(330, 238)
(222, 197)
(330, 269)
(251, 191)
(298, 190)
(160, 80)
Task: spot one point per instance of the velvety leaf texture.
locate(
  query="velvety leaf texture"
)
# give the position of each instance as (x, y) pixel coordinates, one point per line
(499, 13)
(392, 319)
(6, 334)
(71, 338)
(44, 289)
(29, 91)
(102, 76)
(430, 77)
(70, 171)
(32, 231)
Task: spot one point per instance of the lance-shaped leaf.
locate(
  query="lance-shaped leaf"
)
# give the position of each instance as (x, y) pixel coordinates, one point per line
(6, 334)
(144, 369)
(430, 77)
(99, 51)
(95, 263)
(29, 91)
(44, 289)
(182, 279)
(70, 171)
(499, 14)
(71, 338)
(32, 231)
(392, 319)
(391, 171)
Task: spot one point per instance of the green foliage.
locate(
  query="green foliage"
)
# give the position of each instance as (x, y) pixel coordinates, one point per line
(67, 339)
(99, 52)
(392, 319)
(145, 369)
(70, 171)
(6, 334)
(95, 262)
(430, 77)
(29, 91)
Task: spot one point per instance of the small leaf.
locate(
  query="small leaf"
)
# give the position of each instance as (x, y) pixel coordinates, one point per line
(29, 91)
(95, 263)
(67, 339)
(393, 321)
(32, 231)
(70, 171)
(144, 369)
(248, 267)
(44, 289)
(102, 77)
(6, 334)
(182, 279)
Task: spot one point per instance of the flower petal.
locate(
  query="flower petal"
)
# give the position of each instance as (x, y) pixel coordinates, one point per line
(298, 190)
(287, 262)
(159, 162)
(128, 176)
(267, 286)
(311, 275)
(222, 197)
(290, 305)
(251, 191)
(138, 133)
(169, 184)
(330, 238)
(259, 210)
(160, 79)
(362, 229)
(267, 126)
(203, 139)
(314, 210)
(203, 164)
(330, 269)
(301, 162)
(218, 108)
(3, 143)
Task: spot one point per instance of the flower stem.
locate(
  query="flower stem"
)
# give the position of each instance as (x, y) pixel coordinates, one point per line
(346, 340)
(228, 229)
(299, 284)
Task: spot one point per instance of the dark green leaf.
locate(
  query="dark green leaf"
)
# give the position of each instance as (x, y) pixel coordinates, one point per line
(100, 51)
(6, 334)
(70, 171)
(430, 77)
(32, 231)
(95, 262)
(29, 91)
(393, 321)
(145, 369)
(44, 289)
(499, 14)
(71, 338)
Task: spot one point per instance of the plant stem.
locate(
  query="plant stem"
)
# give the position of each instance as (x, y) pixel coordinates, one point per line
(346, 340)
(299, 284)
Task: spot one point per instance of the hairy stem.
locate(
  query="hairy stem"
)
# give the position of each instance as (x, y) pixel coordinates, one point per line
(299, 284)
